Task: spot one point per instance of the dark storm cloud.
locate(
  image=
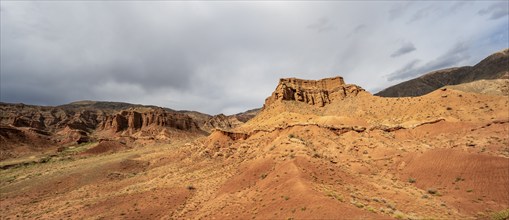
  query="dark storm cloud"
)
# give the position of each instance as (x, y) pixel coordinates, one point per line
(219, 57)
(90, 50)
(496, 10)
(453, 57)
(404, 49)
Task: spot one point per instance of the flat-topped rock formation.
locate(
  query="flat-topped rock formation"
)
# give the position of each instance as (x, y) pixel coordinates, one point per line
(313, 92)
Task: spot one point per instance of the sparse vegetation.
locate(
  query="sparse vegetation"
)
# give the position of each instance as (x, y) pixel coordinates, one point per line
(432, 191)
(500, 215)
(336, 196)
(45, 159)
(371, 209)
(191, 187)
(263, 176)
(411, 180)
(357, 204)
(399, 215)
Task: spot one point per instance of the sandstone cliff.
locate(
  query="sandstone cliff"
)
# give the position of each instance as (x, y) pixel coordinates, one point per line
(25, 128)
(313, 92)
(133, 120)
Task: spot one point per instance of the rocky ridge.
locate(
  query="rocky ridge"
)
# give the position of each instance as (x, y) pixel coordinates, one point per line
(495, 66)
(133, 120)
(313, 92)
(40, 128)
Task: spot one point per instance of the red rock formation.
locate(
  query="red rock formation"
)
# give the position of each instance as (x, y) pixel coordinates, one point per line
(20, 121)
(221, 121)
(73, 136)
(132, 120)
(313, 92)
(67, 126)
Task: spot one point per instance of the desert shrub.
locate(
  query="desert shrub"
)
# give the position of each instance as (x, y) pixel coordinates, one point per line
(334, 195)
(432, 191)
(500, 215)
(399, 215)
(358, 204)
(44, 159)
(291, 136)
(411, 180)
(191, 187)
(371, 209)
(263, 176)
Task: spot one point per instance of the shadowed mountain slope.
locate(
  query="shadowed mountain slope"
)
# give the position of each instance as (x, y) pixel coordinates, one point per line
(495, 66)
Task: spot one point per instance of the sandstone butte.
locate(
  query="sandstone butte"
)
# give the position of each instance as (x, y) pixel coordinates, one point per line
(313, 92)
(318, 149)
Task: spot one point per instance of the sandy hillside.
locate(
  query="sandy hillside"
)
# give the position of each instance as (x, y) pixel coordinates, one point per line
(317, 150)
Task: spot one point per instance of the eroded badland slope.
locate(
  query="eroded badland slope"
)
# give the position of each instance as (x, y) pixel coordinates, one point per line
(27, 130)
(317, 150)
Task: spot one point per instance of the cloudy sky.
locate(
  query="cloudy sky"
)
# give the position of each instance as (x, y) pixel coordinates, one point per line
(225, 56)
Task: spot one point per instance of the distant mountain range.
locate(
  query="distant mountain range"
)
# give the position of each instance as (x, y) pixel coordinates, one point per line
(495, 66)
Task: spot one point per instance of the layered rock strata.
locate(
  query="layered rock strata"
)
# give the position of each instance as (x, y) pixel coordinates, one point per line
(314, 92)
